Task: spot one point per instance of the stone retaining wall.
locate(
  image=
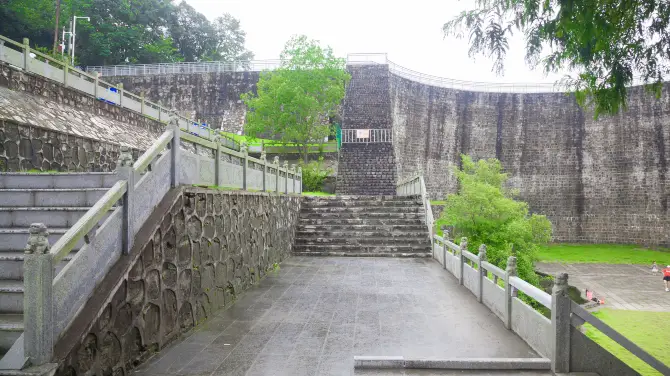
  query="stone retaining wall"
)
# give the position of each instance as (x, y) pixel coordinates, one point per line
(207, 249)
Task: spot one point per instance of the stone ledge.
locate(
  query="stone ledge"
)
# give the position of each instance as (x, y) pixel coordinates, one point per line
(453, 364)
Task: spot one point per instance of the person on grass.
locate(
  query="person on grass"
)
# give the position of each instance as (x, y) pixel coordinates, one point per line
(666, 278)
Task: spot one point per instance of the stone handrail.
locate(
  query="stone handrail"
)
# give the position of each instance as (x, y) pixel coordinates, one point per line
(416, 186)
(550, 338)
(90, 83)
(51, 303)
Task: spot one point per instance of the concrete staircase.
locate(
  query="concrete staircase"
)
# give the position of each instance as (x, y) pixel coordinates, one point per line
(58, 200)
(391, 226)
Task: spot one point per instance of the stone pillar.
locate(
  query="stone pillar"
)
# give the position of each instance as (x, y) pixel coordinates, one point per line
(275, 161)
(463, 247)
(560, 323)
(66, 70)
(142, 102)
(245, 165)
(217, 161)
(120, 90)
(265, 170)
(26, 54)
(300, 180)
(125, 171)
(445, 237)
(38, 275)
(96, 86)
(173, 124)
(510, 291)
(286, 177)
(482, 272)
(293, 176)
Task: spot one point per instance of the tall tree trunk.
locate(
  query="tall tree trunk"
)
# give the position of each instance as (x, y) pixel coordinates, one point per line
(55, 51)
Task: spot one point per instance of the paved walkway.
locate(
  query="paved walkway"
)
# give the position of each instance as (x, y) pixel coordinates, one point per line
(630, 287)
(316, 313)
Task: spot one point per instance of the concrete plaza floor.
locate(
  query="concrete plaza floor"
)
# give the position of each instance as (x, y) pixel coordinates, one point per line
(630, 287)
(314, 314)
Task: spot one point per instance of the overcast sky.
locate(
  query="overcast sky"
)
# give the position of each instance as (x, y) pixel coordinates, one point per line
(409, 31)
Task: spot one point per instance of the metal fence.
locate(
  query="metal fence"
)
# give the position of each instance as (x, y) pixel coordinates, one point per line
(172, 68)
(359, 136)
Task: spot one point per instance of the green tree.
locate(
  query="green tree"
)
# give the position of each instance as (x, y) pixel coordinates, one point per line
(229, 40)
(294, 103)
(606, 42)
(487, 213)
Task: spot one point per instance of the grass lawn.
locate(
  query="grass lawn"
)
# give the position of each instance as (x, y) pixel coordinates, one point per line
(438, 202)
(603, 253)
(317, 194)
(648, 330)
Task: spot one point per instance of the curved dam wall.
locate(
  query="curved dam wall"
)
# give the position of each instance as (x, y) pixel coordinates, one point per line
(603, 181)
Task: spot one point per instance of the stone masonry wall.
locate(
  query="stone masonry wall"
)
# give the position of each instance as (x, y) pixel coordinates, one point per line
(24, 148)
(214, 98)
(367, 169)
(602, 181)
(208, 248)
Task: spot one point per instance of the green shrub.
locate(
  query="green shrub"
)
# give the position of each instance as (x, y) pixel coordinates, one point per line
(314, 174)
(487, 213)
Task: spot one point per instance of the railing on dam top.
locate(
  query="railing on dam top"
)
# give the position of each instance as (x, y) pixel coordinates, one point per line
(185, 67)
(365, 136)
(33, 61)
(554, 337)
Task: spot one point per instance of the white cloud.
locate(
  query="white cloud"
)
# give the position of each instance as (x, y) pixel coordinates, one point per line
(409, 31)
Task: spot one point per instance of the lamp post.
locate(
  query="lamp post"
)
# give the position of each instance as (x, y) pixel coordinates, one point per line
(74, 32)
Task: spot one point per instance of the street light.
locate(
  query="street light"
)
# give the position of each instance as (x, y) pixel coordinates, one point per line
(74, 33)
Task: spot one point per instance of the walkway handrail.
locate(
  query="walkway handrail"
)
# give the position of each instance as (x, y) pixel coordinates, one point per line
(528, 323)
(88, 221)
(91, 84)
(186, 67)
(416, 186)
(159, 145)
(636, 350)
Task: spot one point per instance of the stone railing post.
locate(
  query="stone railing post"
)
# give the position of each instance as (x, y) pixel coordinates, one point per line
(173, 124)
(463, 247)
(120, 90)
(142, 102)
(560, 323)
(38, 275)
(2, 50)
(265, 170)
(245, 165)
(96, 86)
(26, 54)
(286, 177)
(293, 176)
(300, 180)
(217, 161)
(125, 171)
(66, 70)
(482, 272)
(276, 163)
(510, 291)
(445, 237)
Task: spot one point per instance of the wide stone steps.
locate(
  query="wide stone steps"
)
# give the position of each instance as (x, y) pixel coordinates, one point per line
(390, 226)
(11, 326)
(27, 180)
(358, 250)
(50, 197)
(361, 215)
(11, 264)
(50, 216)
(11, 296)
(14, 239)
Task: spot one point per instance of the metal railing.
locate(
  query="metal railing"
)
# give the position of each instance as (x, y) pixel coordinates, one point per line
(549, 337)
(33, 61)
(357, 136)
(185, 67)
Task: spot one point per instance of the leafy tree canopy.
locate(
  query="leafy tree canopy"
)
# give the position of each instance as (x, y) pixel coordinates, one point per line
(295, 102)
(606, 41)
(128, 31)
(487, 213)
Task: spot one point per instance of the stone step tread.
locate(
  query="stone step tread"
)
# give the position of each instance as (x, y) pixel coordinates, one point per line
(47, 208)
(20, 256)
(54, 190)
(26, 230)
(19, 173)
(11, 286)
(11, 322)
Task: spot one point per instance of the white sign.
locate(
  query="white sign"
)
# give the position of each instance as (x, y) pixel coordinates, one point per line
(362, 133)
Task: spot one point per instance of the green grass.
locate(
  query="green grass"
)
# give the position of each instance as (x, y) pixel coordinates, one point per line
(438, 202)
(317, 194)
(275, 146)
(648, 330)
(36, 171)
(603, 253)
